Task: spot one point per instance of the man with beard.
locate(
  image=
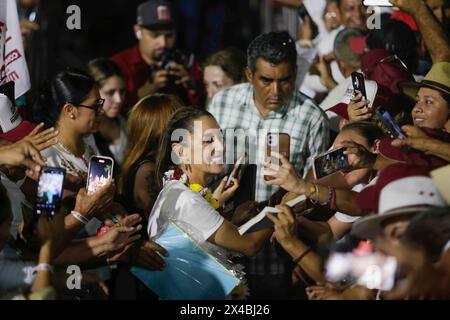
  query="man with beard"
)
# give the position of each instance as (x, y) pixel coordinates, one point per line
(153, 65)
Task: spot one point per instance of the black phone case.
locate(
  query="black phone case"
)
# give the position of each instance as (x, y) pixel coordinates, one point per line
(358, 83)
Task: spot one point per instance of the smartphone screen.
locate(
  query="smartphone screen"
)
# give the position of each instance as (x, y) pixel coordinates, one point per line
(329, 163)
(358, 83)
(277, 142)
(377, 3)
(100, 171)
(49, 192)
(390, 127)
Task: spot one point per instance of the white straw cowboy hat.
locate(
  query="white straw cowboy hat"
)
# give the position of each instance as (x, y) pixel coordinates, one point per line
(400, 190)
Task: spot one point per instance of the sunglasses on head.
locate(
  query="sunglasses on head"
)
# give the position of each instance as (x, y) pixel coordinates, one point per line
(388, 59)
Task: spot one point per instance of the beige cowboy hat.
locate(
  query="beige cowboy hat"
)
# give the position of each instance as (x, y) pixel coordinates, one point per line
(438, 78)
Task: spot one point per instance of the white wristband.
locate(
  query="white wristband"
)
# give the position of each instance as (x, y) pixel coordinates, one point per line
(79, 217)
(43, 266)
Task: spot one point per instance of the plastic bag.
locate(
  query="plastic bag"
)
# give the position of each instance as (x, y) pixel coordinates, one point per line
(194, 270)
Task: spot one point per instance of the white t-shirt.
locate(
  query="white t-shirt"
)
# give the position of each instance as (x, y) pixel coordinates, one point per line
(176, 202)
(342, 217)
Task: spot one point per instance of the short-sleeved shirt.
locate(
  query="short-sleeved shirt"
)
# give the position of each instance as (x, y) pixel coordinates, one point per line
(176, 202)
(304, 121)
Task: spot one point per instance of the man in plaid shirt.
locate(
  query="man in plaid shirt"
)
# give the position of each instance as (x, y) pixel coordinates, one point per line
(270, 103)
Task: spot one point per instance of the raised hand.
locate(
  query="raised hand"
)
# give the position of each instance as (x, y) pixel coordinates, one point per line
(96, 203)
(358, 156)
(358, 109)
(284, 176)
(42, 139)
(223, 194)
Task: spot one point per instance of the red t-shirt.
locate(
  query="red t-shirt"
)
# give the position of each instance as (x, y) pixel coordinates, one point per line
(137, 72)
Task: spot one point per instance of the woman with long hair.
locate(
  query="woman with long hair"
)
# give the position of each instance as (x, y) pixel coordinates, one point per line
(111, 137)
(191, 156)
(146, 125)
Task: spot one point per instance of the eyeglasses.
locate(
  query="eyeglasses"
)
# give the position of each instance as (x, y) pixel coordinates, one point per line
(330, 15)
(97, 106)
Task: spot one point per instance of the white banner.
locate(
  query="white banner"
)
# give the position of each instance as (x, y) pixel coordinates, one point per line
(13, 66)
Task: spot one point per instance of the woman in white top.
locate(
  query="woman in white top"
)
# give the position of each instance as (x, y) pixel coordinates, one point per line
(197, 158)
(111, 137)
(71, 102)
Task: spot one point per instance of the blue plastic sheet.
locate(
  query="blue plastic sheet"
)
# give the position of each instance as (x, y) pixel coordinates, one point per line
(191, 273)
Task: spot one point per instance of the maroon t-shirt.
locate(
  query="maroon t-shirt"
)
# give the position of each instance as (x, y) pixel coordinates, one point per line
(137, 72)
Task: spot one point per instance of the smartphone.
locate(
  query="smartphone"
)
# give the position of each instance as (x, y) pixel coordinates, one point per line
(100, 171)
(277, 142)
(49, 191)
(330, 162)
(358, 83)
(377, 3)
(236, 170)
(390, 127)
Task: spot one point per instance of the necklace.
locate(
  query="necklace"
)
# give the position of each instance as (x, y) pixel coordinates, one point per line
(179, 175)
(67, 150)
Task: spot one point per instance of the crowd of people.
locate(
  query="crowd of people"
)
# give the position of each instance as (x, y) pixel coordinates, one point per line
(391, 199)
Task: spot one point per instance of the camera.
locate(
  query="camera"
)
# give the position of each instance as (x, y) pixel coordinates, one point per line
(169, 58)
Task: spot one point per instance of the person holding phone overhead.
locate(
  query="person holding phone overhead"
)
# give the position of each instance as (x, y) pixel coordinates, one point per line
(269, 100)
(367, 135)
(71, 102)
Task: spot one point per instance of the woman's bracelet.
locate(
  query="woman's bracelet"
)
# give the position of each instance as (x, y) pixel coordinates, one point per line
(79, 217)
(312, 190)
(42, 267)
(299, 258)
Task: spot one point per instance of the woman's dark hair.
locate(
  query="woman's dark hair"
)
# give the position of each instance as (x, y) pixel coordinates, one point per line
(5, 206)
(231, 60)
(369, 130)
(273, 47)
(182, 119)
(68, 86)
(396, 37)
(430, 229)
(101, 69)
